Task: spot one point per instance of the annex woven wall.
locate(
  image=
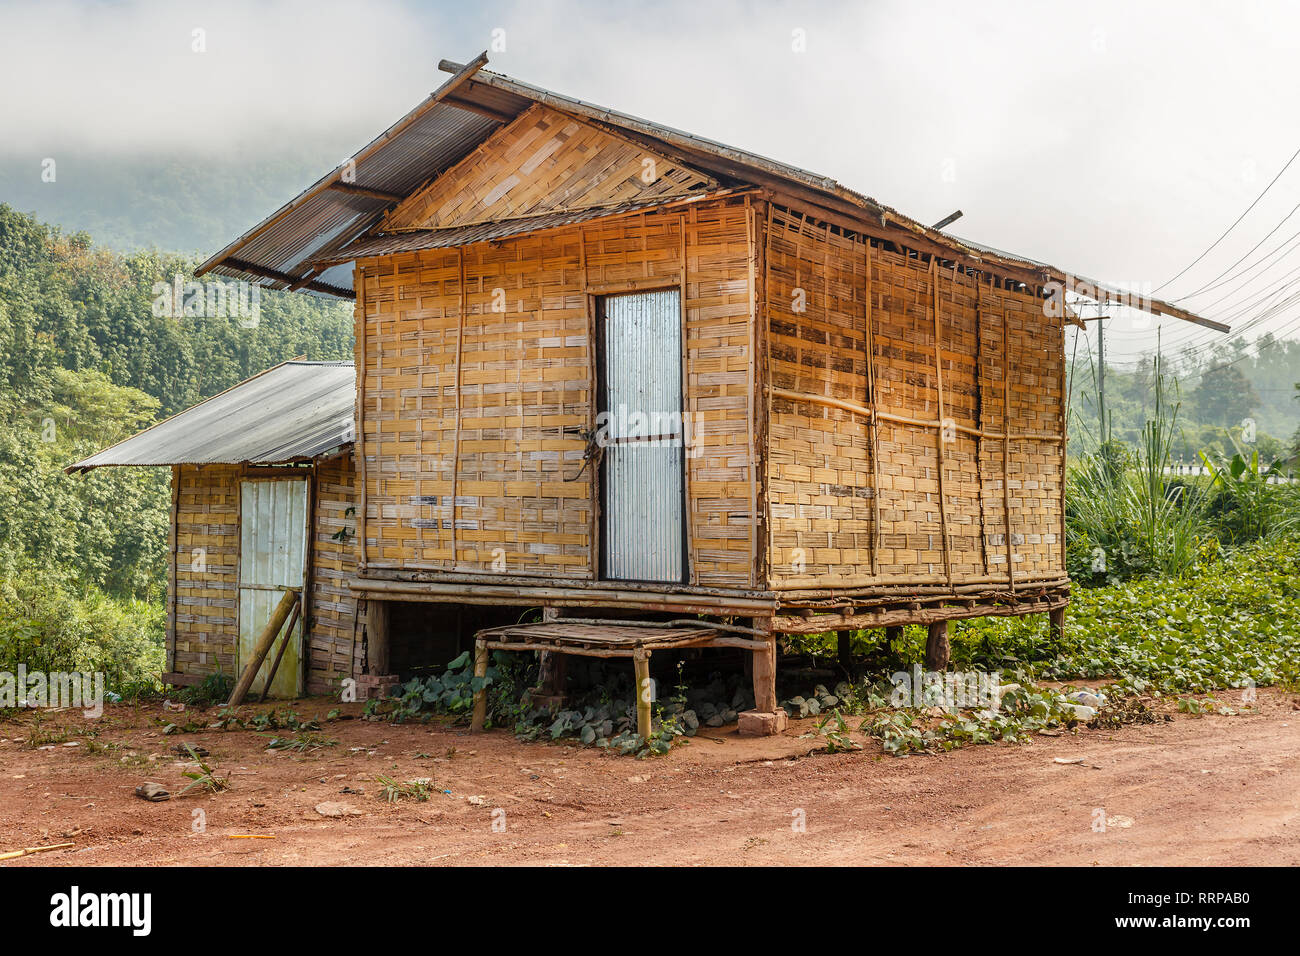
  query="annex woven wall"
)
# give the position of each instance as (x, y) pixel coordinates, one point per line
(885, 448)
(205, 568)
(331, 654)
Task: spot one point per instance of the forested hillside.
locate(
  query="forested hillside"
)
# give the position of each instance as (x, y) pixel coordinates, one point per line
(143, 200)
(84, 362)
(1215, 392)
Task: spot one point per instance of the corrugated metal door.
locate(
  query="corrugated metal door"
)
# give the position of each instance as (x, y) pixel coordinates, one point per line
(643, 457)
(272, 557)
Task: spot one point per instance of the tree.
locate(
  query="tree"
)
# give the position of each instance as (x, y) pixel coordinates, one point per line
(1225, 396)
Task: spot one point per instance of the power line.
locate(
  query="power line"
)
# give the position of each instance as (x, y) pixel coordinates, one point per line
(1233, 226)
(1262, 300)
(1243, 258)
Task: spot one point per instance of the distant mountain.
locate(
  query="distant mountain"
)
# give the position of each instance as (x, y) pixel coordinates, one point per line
(170, 203)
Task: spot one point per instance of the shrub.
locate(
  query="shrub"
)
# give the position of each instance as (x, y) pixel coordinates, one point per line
(46, 625)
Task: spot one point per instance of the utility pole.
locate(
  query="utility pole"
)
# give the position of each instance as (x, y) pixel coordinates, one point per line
(1101, 374)
(1101, 369)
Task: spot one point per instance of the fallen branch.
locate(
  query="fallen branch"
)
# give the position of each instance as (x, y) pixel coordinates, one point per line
(15, 854)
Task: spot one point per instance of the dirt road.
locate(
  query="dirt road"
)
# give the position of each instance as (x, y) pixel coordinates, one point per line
(1197, 790)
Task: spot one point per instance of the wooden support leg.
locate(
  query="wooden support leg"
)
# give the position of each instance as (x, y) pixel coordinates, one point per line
(480, 696)
(893, 634)
(644, 691)
(765, 677)
(766, 719)
(550, 687)
(554, 668)
(844, 647)
(377, 637)
(1056, 624)
(936, 647)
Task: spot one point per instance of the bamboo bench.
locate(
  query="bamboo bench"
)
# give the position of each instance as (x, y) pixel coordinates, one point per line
(633, 639)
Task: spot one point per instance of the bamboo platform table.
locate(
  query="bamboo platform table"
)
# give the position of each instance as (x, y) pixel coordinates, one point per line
(635, 640)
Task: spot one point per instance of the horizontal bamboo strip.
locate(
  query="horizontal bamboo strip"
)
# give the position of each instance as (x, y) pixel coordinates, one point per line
(818, 625)
(868, 413)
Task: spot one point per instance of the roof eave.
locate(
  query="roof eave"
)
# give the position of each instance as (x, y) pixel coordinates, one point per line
(335, 176)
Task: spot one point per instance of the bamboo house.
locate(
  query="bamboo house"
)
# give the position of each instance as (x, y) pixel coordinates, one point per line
(671, 393)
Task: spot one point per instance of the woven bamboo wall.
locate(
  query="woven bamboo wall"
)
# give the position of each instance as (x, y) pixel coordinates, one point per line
(206, 594)
(857, 341)
(333, 604)
(542, 162)
(476, 373)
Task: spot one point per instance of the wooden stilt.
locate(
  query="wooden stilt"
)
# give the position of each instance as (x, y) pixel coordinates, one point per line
(936, 647)
(893, 634)
(844, 647)
(766, 719)
(1056, 624)
(765, 678)
(554, 669)
(644, 692)
(480, 696)
(377, 638)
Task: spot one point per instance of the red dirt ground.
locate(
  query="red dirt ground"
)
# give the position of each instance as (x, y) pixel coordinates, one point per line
(1198, 790)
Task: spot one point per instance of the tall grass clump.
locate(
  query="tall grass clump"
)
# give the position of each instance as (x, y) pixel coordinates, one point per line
(1124, 514)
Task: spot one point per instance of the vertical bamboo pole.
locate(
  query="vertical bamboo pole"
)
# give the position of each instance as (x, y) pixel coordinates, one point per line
(751, 255)
(688, 514)
(479, 716)
(826, 306)
(798, 284)
(644, 697)
(307, 603)
(1064, 427)
(1006, 446)
(173, 560)
(938, 382)
(770, 542)
(521, 355)
(979, 417)
(455, 454)
(362, 333)
(593, 401)
(873, 424)
(421, 461)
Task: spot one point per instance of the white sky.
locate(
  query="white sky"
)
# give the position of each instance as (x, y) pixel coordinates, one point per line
(1116, 139)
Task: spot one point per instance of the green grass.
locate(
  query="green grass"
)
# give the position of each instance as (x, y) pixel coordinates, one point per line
(1229, 622)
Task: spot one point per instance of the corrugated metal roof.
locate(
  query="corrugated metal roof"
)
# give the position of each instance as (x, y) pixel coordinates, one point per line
(414, 240)
(292, 412)
(287, 249)
(351, 198)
